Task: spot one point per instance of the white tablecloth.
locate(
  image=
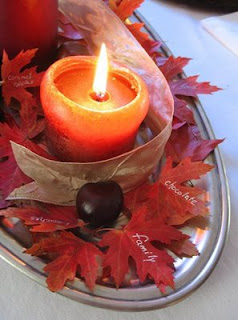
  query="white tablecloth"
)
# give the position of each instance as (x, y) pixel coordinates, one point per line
(23, 299)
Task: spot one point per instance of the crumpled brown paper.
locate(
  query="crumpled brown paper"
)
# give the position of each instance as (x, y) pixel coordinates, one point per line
(57, 182)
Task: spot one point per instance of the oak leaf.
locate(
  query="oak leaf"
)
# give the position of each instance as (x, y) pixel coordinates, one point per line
(72, 254)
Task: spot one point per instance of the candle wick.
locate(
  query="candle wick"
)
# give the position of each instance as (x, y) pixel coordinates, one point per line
(99, 97)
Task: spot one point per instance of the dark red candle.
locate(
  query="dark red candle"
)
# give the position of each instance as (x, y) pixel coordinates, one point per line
(27, 24)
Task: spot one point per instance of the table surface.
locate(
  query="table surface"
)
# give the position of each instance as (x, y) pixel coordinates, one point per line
(179, 26)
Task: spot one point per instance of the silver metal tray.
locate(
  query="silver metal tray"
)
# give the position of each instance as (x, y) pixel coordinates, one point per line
(208, 234)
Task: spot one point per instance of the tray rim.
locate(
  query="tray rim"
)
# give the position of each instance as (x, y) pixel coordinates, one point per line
(87, 297)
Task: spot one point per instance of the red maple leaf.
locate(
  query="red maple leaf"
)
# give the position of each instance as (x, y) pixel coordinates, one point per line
(30, 125)
(184, 87)
(184, 248)
(184, 171)
(11, 176)
(180, 200)
(71, 253)
(4, 204)
(172, 67)
(182, 114)
(186, 141)
(137, 197)
(28, 129)
(48, 219)
(7, 133)
(190, 87)
(16, 78)
(125, 8)
(177, 123)
(134, 241)
(170, 197)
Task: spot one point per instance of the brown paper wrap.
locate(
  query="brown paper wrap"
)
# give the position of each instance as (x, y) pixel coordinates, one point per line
(57, 182)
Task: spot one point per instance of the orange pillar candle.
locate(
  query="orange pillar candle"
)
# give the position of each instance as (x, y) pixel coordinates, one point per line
(86, 126)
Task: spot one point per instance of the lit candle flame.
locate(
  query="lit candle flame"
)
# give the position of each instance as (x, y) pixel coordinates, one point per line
(100, 79)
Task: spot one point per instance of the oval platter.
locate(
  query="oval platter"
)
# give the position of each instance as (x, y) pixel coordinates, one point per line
(209, 236)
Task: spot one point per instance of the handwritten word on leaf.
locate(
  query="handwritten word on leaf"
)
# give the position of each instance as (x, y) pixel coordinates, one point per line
(171, 197)
(49, 219)
(135, 241)
(16, 78)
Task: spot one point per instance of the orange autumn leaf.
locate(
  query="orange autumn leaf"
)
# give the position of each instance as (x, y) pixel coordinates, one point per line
(124, 8)
(143, 38)
(48, 219)
(171, 196)
(72, 254)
